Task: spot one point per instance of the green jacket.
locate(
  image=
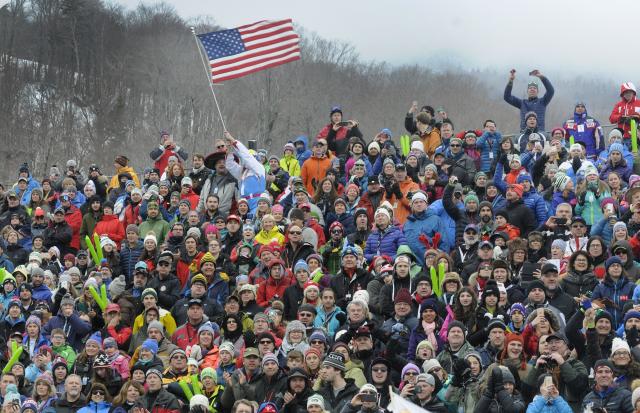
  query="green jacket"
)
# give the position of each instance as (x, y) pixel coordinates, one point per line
(159, 226)
(573, 381)
(89, 222)
(66, 352)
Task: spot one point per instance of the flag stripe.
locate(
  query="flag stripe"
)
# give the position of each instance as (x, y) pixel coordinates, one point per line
(266, 27)
(256, 69)
(257, 46)
(253, 55)
(246, 49)
(256, 60)
(262, 25)
(266, 34)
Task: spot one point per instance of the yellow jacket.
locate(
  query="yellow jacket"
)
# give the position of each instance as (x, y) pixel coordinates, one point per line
(290, 164)
(166, 319)
(265, 238)
(115, 182)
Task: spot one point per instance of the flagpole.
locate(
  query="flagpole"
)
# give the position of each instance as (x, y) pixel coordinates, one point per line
(207, 71)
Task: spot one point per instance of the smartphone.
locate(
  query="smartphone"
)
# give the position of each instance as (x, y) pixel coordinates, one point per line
(540, 312)
(548, 381)
(610, 208)
(368, 398)
(252, 144)
(344, 123)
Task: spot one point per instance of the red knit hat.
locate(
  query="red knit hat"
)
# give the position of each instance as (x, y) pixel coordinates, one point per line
(508, 339)
(403, 296)
(517, 188)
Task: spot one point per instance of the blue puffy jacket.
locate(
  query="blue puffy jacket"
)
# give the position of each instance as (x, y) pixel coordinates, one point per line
(384, 243)
(620, 292)
(93, 407)
(428, 223)
(129, 257)
(75, 328)
(488, 143)
(449, 224)
(604, 229)
(534, 201)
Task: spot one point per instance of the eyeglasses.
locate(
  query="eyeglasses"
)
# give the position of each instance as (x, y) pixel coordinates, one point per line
(97, 393)
(266, 342)
(336, 231)
(295, 232)
(620, 354)
(163, 264)
(379, 369)
(178, 357)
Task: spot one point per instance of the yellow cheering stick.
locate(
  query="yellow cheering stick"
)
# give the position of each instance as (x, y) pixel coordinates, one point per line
(197, 389)
(92, 250)
(16, 352)
(101, 299)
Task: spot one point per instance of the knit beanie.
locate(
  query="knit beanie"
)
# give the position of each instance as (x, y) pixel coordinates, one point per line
(150, 345)
(336, 360)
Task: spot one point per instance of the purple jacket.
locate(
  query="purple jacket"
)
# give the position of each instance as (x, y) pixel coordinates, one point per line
(385, 243)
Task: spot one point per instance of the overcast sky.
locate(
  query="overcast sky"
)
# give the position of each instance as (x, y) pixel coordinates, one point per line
(565, 37)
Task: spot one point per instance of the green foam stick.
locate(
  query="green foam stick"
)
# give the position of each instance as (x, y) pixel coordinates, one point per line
(3, 274)
(16, 352)
(92, 250)
(196, 384)
(185, 389)
(103, 294)
(571, 140)
(97, 298)
(406, 144)
(634, 136)
(435, 286)
(440, 273)
(96, 242)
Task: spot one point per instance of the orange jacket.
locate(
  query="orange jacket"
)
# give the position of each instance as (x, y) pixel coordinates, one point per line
(313, 171)
(509, 229)
(431, 141)
(402, 206)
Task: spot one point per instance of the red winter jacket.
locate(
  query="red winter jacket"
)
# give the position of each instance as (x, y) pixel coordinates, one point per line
(182, 267)
(73, 217)
(269, 288)
(192, 197)
(186, 335)
(624, 108)
(131, 216)
(110, 226)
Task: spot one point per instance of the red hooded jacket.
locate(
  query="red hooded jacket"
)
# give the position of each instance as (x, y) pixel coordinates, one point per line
(270, 288)
(110, 226)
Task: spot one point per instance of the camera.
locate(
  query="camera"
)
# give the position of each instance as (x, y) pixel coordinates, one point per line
(561, 222)
(550, 362)
(417, 389)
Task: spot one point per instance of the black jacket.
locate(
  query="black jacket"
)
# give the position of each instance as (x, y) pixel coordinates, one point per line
(345, 287)
(198, 178)
(58, 235)
(521, 216)
(168, 290)
(61, 405)
(344, 396)
(292, 299)
(617, 400)
(210, 307)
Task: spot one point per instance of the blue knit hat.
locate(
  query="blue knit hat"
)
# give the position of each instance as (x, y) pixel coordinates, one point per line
(150, 345)
(524, 177)
(616, 147)
(518, 307)
(631, 314)
(96, 337)
(612, 260)
(300, 265)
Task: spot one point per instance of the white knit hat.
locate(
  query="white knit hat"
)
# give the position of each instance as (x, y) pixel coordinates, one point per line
(635, 396)
(417, 145)
(383, 211)
(361, 295)
(619, 344)
(199, 400)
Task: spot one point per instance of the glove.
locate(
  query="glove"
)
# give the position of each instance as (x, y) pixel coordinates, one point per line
(396, 190)
(397, 328)
(581, 200)
(250, 339)
(196, 352)
(633, 337)
(460, 370)
(504, 160)
(341, 317)
(496, 378)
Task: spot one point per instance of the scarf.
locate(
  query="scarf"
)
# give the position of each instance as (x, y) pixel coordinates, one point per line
(429, 329)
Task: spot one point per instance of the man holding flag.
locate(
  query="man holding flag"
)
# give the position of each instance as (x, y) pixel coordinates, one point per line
(249, 173)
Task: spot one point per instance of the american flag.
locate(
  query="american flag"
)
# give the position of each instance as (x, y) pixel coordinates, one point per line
(246, 49)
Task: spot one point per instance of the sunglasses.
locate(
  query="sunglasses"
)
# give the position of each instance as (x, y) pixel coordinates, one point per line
(266, 342)
(317, 342)
(163, 264)
(221, 146)
(179, 357)
(336, 231)
(97, 393)
(455, 145)
(379, 369)
(411, 373)
(295, 232)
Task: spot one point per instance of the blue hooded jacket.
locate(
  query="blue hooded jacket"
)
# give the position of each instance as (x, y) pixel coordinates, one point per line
(305, 153)
(428, 223)
(448, 241)
(583, 129)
